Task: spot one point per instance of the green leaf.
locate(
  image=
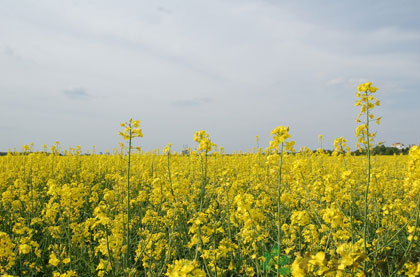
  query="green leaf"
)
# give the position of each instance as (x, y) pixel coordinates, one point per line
(275, 251)
(271, 259)
(284, 260)
(265, 264)
(284, 271)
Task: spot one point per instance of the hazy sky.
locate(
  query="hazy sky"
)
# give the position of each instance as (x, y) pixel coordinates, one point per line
(73, 70)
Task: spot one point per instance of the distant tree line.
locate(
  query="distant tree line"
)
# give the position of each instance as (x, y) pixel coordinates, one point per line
(25, 153)
(377, 150)
(383, 150)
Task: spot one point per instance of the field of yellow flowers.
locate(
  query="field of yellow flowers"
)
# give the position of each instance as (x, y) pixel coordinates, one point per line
(266, 213)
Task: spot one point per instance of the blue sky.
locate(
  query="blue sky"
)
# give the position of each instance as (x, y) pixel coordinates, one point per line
(71, 71)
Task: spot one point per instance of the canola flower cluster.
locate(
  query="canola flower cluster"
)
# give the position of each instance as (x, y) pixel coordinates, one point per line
(161, 213)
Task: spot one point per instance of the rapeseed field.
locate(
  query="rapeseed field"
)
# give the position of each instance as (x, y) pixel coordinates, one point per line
(270, 212)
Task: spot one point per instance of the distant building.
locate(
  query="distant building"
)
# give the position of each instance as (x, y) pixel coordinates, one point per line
(398, 145)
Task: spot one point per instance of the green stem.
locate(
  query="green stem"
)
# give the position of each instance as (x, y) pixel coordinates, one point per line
(365, 239)
(278, 208)
(128, 201)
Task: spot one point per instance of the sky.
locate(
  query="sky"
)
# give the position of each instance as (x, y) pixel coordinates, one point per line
(72, 71)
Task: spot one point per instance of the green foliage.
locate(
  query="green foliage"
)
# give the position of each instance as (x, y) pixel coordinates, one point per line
(271, 259)
(383, 150)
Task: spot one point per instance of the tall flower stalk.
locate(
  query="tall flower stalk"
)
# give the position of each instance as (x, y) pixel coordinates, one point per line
(367, 102)
(205, 146)
(131, 130)
(279, 144)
